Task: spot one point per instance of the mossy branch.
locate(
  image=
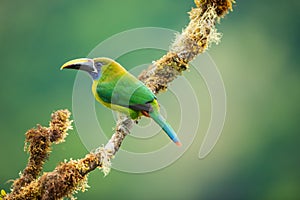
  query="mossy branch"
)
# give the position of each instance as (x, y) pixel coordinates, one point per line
(69, 177)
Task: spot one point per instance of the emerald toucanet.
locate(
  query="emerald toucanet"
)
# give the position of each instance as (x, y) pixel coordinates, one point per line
(117, 89)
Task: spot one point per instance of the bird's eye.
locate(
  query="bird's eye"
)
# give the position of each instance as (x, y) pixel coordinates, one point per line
(99, 64)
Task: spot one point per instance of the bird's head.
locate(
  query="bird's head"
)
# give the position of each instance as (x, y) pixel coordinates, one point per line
(92, 66)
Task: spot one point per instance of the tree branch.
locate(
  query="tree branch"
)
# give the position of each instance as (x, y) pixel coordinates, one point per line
(69, 177)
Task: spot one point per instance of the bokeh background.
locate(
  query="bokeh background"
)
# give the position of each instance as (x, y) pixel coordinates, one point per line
(257, 156)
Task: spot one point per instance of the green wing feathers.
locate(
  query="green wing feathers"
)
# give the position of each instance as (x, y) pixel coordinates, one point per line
(125, 91)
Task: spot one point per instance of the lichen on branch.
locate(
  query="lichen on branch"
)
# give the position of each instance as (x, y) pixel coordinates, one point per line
(199, 34)
(38, 144)
(69, 176)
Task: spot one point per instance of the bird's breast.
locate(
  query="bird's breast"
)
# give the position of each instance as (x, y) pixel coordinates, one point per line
(97, 97)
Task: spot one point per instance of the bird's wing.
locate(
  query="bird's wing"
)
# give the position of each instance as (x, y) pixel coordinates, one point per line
(126, 91)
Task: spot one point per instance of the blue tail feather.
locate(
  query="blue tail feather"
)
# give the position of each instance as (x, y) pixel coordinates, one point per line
(165, 126)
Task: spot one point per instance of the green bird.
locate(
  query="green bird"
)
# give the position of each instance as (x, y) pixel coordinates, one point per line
(114, 87)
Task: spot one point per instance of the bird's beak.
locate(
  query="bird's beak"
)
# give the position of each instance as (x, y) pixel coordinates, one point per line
(84, 64)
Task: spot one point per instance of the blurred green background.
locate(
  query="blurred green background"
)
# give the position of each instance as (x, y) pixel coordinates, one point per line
(257, 156)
